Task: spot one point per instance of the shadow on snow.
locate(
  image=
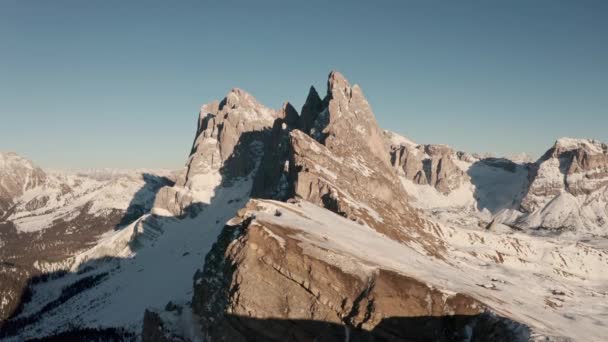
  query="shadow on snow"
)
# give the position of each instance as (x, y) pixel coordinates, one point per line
(239, 164)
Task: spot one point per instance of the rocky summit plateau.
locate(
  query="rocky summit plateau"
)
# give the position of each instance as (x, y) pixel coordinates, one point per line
(315, 225)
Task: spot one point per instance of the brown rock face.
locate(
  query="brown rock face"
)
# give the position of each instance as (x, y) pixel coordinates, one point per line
(587, 172)
(444, 174)
(338, 160)
(351, 124)
(429, 164)
(259, 284)
(354, 187)
(238, 119)
(230, 138)
(409, 160)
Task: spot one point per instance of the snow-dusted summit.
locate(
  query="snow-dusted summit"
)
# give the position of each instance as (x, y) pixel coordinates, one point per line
(569, 188)
(17, 175)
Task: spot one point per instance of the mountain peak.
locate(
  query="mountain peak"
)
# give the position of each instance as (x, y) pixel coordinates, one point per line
(311, 109)
(237, 105)
(11, 159)
(339, 87)
(17, 174)
(336, 79)
(237, 97)
(288, 113)
(568, 144)
(350, 121)
(313, 95)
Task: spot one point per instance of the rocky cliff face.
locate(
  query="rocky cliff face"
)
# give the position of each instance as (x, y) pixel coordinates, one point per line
(355, 188)
(434, 165)
(262, 281)
(338, 160)
(229, 144)
(345, 122)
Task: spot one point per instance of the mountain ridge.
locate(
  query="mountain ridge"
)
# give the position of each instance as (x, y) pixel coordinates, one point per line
(362, 226)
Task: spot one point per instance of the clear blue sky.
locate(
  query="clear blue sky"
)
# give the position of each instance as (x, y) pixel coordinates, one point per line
(119, 83)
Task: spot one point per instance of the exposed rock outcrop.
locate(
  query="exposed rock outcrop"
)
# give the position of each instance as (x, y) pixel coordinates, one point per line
(262, 281)
(310, 122)
(346, 122)
(338, 160)
(434, 165)
(354, 187)
(229, 144)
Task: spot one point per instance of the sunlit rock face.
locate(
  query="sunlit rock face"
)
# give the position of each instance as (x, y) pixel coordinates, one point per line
(262, 281)
(434, 165)
(229, 144)
(336, 156)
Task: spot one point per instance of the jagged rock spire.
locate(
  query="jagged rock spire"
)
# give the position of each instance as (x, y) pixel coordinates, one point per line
(311, 109)
(229, 144)
(351, 122)
(288, 114)
(221, 125)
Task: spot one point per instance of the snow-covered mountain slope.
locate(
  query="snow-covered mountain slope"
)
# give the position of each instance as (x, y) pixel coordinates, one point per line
(17, 175)
(62, 196)
(54, 215)
(569, 189)
(149, 263)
